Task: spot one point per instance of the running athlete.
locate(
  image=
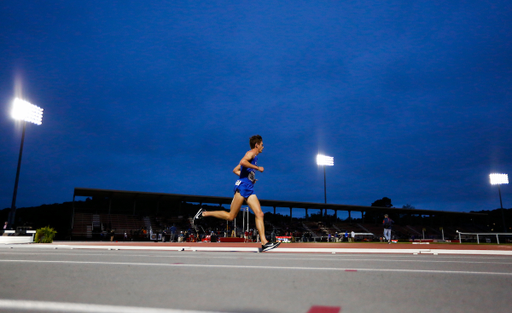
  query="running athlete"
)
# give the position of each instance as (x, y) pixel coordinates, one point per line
(244, 191)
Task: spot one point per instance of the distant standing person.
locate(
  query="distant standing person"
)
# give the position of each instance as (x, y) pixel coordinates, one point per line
(244, 192)
(387, 223)
(173, 233)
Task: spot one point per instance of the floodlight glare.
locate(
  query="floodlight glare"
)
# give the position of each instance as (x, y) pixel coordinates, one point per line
(324, 160)
(26, 111)
(498, 179)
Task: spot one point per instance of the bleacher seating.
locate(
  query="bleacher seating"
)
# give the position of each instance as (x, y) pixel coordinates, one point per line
(87, 225)
(80, 223)
(120, 223)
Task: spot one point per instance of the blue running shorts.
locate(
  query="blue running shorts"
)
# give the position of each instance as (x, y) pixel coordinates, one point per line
(245, 189)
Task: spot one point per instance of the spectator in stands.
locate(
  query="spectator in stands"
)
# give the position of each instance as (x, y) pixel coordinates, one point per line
(387, 223)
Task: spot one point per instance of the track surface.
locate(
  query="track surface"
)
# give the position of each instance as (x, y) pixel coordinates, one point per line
(61, 279)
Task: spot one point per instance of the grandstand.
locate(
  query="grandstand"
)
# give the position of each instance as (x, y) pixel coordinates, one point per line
(140, 213)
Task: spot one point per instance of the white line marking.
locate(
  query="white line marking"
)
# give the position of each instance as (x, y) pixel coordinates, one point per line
(280, 249)
(338, 259)
(275, 257)
(392, 251)
(83, 307)
(140, 248)
(302, 268)
(341, 258)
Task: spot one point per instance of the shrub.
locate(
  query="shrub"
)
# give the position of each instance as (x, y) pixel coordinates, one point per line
(45, 235)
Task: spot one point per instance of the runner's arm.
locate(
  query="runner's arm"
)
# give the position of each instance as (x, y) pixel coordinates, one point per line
(246, 162)
(236, 170)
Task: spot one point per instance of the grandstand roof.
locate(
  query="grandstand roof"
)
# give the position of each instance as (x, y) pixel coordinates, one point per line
(159, 197)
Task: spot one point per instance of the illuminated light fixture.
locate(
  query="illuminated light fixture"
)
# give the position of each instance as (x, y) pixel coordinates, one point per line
(324, 160)
(499, 179)
(25, 111)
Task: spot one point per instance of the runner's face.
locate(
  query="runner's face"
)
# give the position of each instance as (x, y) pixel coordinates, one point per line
(259, 147)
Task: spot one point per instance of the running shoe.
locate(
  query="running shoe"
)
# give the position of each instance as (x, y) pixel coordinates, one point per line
(198, 215)
(269, 246)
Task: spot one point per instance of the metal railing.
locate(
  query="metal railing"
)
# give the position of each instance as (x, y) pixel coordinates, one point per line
(483, 234)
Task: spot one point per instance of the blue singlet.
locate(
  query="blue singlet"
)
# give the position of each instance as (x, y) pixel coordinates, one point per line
(245, 185)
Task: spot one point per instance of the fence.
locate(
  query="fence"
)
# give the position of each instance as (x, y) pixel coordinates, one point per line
(483, 234)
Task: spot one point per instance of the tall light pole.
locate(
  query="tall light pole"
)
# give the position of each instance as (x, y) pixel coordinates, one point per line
(500, 179)
(324, 161)
(26, 112)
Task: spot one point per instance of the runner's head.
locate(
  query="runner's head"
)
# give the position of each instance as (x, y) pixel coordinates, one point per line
(256, 139)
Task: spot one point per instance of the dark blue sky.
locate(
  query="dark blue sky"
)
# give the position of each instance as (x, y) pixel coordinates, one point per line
(412, 98)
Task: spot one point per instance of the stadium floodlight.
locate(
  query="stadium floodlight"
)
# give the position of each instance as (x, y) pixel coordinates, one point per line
(323, 160)
(27, 112)
(500, 179)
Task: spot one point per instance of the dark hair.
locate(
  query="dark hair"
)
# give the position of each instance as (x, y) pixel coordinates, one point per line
(254, 140)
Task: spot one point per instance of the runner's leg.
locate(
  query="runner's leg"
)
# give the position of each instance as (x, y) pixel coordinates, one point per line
(236, 204)
(254, 204)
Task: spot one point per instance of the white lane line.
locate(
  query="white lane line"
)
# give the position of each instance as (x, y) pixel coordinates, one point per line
(422, 251)
(262, 267)
(338, 258)
(49, 306)
(140, 248)
(392, 251)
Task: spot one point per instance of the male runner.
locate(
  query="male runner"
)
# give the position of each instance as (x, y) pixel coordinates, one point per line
(244, 192)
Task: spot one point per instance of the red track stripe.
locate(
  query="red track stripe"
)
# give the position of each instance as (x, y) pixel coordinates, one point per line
(324, 309)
